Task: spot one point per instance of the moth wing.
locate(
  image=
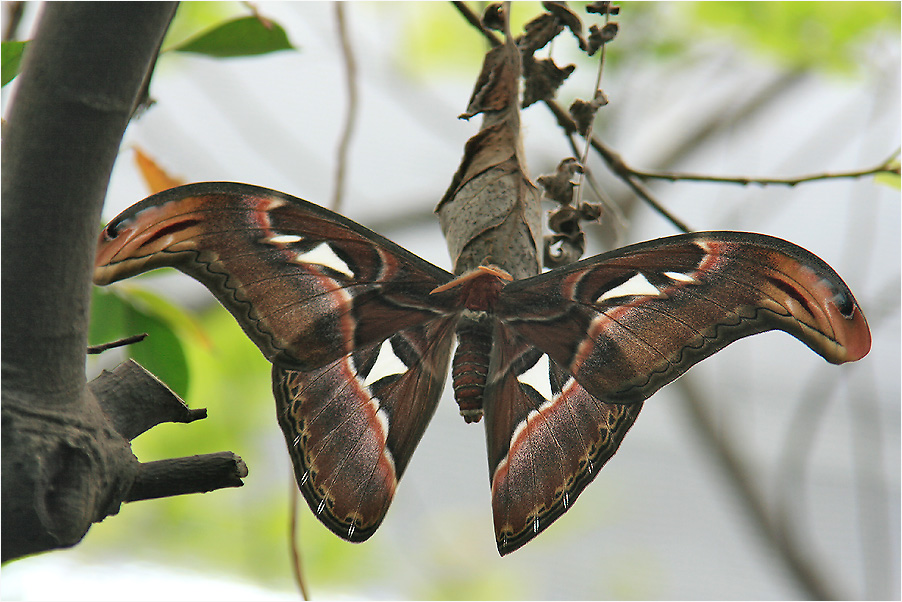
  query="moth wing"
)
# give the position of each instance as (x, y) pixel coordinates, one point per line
(307, 285)
(628, 322)
(351, 426)
(614, 329)
(547, 438)
(359, 344)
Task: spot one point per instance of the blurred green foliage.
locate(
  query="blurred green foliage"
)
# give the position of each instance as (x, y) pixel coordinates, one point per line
(436, 38)
(889, 179)
(198, 27)
(193, 18)
(824, 36)
(798, 35)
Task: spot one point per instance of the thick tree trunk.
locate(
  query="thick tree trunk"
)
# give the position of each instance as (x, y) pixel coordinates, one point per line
(65, 464)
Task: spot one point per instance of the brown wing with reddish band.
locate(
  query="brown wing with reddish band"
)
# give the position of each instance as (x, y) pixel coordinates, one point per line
(307, 285)
(359, 331)
(619, 326)
(628, 322)
(360, 347)
(351, 426)
(547, 438)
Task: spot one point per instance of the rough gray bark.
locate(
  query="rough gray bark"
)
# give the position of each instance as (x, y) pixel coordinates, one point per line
(65, 464)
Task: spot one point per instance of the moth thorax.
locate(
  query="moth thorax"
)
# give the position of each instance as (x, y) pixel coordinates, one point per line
(471, 363)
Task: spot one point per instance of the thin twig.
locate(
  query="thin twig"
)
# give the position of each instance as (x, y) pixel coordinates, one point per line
(618, 166)
(886, 167)
(585, 154)
(255, 13)
(474, 20)
(613, 210)
(740, 109)
(293, 544)
(344, 144)
(136, 338)
(14, 13)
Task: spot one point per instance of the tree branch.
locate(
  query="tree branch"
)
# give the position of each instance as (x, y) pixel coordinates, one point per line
(193, 474)
(889, 166)
(351, 112)
(617, 166)
(135, 401)
(76, 94)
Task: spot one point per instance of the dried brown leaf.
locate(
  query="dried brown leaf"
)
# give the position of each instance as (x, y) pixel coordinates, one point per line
(539, 32)
(562, 250)
(491, 212)
(603, 8)
(583, 112)
(590, 212)
(600, 37)
(559, 186)
(496, 86)
(494, 17)
(156, 178)
(568, 18)
(542, 80)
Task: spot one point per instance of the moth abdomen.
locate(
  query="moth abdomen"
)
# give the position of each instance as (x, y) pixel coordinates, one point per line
(471, 363)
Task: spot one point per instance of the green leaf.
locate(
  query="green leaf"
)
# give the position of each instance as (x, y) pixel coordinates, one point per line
(246, 36)
(186, 325)
(107, 317)
(11, 59)
(118, 314)
(161, 352)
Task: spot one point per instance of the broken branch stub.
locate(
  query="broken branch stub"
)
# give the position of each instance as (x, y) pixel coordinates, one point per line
(192, 474)
(135, 400)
